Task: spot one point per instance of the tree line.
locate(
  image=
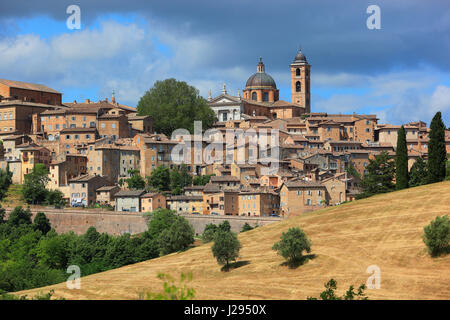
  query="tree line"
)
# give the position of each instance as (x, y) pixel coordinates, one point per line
(33, 255)
(386, 173)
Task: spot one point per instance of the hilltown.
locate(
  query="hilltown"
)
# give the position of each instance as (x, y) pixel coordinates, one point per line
(90, 148)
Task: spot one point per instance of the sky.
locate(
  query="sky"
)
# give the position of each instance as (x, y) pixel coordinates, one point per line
(400, 72)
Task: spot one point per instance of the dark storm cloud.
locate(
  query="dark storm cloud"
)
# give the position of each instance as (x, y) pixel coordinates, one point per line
(333, 34)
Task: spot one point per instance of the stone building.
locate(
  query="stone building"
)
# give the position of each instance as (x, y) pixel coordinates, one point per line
(83, 189)
(129, 200)
(151, 201)
(31, 92)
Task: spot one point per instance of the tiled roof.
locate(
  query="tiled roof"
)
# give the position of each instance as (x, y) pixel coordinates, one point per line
(27, 86)
(129, 193)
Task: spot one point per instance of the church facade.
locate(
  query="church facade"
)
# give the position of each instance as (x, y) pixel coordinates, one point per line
(261, 95)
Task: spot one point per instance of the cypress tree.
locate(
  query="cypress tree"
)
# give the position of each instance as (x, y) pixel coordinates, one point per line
(401, 161)
(437, 155)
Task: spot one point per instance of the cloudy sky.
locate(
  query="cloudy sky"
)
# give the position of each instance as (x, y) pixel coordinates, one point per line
(400, 72)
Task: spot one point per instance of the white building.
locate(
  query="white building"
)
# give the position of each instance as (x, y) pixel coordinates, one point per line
(226, 107)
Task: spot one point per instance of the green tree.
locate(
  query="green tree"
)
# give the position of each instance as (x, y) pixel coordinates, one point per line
(5, 181)
(202, 180)
(34, 190)
(209, 232)
(160, 178)
(380, 173)
(42, 223)
(351, 170)
(160, 220)
(225, 226)
(175, 104)
(401, 161)
(55, 197)
(437, 155)
(135, 181)
(179, 178)
(292, 244)
(418, 175)
(19, 216)
(226, 247)
(437, 236)
(179, 236)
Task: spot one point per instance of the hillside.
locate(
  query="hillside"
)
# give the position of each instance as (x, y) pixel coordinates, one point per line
(384, 230)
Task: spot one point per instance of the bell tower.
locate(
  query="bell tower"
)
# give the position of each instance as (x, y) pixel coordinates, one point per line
(300, 81)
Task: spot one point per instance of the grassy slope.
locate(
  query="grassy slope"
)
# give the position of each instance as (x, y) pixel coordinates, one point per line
(13, 197)
(384, 230)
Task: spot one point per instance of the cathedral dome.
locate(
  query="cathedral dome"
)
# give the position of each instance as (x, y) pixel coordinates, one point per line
(261, 78)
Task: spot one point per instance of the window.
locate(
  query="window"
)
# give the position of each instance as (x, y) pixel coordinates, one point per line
(10, 116)
(103, 125)
(73, 118)
(367, 129)
(266, 96)
(88, 136)
(73, 125)
(56, 126)
(49, 127)
(298, 86)
(297, 72)
(113, 125)
(77, 137)
(254, 96)
(67, 136)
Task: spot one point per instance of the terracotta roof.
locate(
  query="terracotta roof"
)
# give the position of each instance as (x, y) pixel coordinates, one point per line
(78, 130)
(302, 184)
(106, 188)
(27, 86)
(224, 179)
(84, 178)
(129, 193)
(149, 195)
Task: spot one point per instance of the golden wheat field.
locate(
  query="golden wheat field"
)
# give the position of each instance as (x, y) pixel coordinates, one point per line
(383, 230)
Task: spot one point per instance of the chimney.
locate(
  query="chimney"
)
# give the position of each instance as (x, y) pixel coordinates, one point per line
(87, 101)
(75, 101)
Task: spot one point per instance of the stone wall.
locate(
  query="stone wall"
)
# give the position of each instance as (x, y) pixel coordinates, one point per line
(116, 223)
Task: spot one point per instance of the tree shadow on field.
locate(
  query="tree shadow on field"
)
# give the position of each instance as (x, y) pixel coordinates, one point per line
(234, 265)
(297, 263)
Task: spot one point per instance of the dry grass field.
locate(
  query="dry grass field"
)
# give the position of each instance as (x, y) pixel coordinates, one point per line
(383, 230)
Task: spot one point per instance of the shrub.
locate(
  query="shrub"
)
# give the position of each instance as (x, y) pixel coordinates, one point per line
(171, 291)
(350, 294)
(437, 236)
(292, 245)
(246, 227)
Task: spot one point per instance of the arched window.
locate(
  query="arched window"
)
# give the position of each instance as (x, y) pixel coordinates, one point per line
(254, 96)
(298, 86)
(297, 72)
(266, 96)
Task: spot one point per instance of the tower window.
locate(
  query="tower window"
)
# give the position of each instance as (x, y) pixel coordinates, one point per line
(266, 96)
(297, 72)
(254, 96)
(298, 86)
